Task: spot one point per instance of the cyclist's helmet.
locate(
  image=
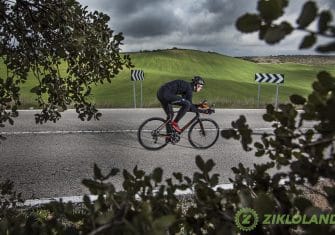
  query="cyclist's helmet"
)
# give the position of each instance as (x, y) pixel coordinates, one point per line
(198, 80)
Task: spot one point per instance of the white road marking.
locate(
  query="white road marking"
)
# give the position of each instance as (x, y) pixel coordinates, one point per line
(63, 132)
(89, 131)
(79, 199)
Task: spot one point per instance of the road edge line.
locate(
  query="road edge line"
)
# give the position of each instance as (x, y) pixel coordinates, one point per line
(79, 199)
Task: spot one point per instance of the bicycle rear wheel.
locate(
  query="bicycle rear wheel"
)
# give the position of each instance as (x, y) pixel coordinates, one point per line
(152, 133)
(203, 138)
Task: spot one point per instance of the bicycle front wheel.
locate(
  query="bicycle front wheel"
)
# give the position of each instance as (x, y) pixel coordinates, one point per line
(204, 133)
(152, 133)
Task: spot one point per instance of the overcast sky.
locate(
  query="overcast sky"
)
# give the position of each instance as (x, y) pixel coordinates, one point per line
(207, 25)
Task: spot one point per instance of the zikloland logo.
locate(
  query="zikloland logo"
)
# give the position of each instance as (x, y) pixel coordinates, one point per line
(246, 219)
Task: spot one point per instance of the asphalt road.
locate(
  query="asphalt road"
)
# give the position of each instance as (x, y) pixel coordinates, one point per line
(50, 160)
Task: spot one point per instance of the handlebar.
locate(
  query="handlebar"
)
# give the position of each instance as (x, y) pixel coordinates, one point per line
(208, 109)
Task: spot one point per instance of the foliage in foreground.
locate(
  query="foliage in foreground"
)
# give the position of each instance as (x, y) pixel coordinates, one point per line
(36, 37)
(148, 205)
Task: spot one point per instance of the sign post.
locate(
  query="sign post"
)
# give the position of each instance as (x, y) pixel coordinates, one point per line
(135, 76)
(134, 89)
(269, 78)
(141, 95)
(259, 94)
(277, 94)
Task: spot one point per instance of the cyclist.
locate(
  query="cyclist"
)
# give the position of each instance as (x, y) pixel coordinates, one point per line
(179, 92)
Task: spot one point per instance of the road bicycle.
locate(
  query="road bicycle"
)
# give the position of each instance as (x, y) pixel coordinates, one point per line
(156, 132)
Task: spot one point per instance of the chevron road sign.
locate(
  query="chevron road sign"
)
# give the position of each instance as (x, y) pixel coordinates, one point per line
(269, 77)
(137, 75)
(276, 78)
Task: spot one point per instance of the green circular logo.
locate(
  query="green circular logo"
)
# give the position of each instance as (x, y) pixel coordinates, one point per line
(246, 219)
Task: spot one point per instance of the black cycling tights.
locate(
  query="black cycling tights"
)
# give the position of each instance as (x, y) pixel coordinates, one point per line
(185, 106)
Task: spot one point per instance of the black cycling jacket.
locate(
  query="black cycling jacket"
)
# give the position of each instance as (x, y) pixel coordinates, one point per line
(179, 87)
(169, 91)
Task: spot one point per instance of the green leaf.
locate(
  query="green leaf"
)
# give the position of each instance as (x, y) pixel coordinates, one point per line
(242, 169)
(178, 176)
(91, 185)
(197, 176)
(138, 173)
(87, 200)
(214, 180)
(97, 172)
(162, 223)
(297, 99)
(235, 170)
(276, 34)
(98, 116)
(157, 174)
(286, 27)
(308, 14)
(105, 218)
(240, 122)
(209, 165)
(127, 176)
(114, 172)
(260, 153)
(271, 9)
(259, 145)
(330, 47)
(262, 31)
(324, 20)
(11, 121)
(248, 23)
(268, 118)
(308, 41)
(302, 204)
(230, 133)
(326, 80)
(330, 191)
(36, 90)
(264, 204)
(188, 180)
(200, 163)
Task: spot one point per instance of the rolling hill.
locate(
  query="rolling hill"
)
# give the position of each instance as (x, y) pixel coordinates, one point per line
(230, 81)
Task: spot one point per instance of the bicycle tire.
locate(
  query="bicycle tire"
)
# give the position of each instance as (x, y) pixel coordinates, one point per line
(148, 126)
(214, 128)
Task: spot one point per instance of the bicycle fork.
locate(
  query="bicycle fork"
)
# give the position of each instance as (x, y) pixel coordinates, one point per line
(202, 129)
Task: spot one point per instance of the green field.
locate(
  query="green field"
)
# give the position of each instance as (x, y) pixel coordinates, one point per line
(230, 81)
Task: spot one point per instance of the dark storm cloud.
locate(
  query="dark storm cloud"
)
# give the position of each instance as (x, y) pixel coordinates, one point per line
(215, 6)
(120, 7)
(140, 18)
(157, 23)
(215, 15)
(195, 24)
(143, 18)
(330, 4)
(228, 9)
(133, 6)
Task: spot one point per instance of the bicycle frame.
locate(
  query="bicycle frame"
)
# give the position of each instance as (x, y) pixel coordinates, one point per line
(155, 138)
(196, 118)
